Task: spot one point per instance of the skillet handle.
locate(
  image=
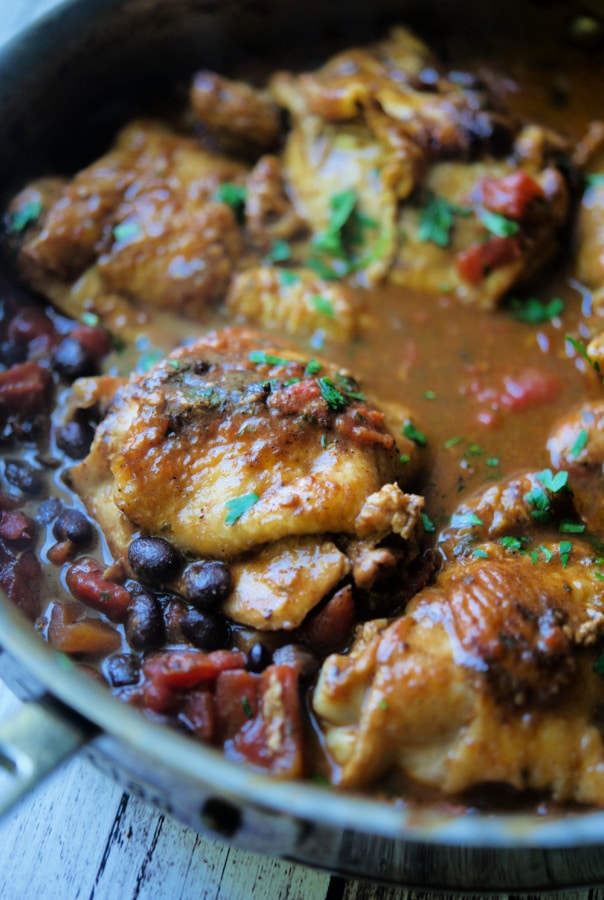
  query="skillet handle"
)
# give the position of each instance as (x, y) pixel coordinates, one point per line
(33, 742)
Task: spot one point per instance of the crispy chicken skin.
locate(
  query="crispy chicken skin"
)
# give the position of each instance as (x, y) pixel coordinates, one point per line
(479, 682)
(577, 446)
(488, 676)
(143, 219)
(387, 122)
(233, 419)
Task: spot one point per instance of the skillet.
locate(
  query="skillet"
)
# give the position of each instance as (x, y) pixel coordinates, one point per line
(100, 55)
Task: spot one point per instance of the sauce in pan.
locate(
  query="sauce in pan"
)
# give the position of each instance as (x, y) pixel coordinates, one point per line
(304, 432)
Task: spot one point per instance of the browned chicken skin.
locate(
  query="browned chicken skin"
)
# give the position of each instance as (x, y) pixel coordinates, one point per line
(234, 419)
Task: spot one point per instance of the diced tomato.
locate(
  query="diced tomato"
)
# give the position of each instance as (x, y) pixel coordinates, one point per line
(479, 260)
(236, 701)
(94, 339)
(86, 581)
(511, 195)
(21, 579)
(272, 739)
(366, 426)
(328, 630)
(68, 633)
(25, 388)
(198, 713)
(177, 670)
(530, 388)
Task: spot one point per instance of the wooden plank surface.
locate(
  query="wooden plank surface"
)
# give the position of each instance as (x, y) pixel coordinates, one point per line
(80, 836)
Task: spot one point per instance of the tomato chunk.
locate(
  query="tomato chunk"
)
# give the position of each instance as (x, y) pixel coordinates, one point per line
(25, 388)
(174, 671)
(511, 195)
(271, 738)
(479, 260)
(86, 581)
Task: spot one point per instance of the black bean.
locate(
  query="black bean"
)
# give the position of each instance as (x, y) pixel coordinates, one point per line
(153, 559)
(75, 439)
(71, 360)
(22, 476)
(123, 669)
(48, 510)
(298, 657)
(72, 525)
(145, 627)
(206, 631)
(206, 584)
(12, 353)
(258, 657)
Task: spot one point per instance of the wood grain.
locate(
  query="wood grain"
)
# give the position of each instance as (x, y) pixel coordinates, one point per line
(80, 836)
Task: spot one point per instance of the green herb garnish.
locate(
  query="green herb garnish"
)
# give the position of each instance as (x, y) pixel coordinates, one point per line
(554, 483)
(536, 312)
(279, 252)
(127, 231)
(312, 367)
(498, 224)
(436, 220)
(234, 195)
(569, 527)
(414, 434)
(429, 525)
(287, 277)
(323, 305)
(237, 506)
(510, 542)
(480, 554)
(262, 358)
(578, 346)
(579, 444)
(334, 398)
(247, 708)
(24, 216)
(595, 179)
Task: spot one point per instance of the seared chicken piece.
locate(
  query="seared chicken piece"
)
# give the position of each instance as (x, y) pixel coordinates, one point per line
(269, 213)
(516, 507)
(449, 189)
(244, 120)
(145, 215)
(237, 448)
(590, 234)
(295, 301)
(577, 446)
(487, 678)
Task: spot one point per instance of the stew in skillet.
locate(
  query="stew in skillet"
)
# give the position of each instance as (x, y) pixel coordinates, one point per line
(303, 421)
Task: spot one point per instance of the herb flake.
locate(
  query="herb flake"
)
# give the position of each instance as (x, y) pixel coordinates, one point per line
(237, 506)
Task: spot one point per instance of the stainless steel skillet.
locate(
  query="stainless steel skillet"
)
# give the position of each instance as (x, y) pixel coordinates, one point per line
(80, 59)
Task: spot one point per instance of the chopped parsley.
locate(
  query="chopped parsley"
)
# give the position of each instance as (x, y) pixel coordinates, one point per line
(237, 506)
(333, 397)
(436, 220)
(383, 705)
(554, 483)
(429, 525)
(452, 442)
(569, 527)
(429, 395)
(89, 318)
(24, 216)
(247, 708)
(287, 277)
(492, 461)
(262, 358)
(234, 195)
(127, 231)
(404, 458)
(414, 434)
(565, 549)
(466, 520)
(344, 234)
(539, 500)
(279, 252)
(536, 312)
(312, 367)
(511, 543)
(579, 444)
(323, 305)
(497, 224)
(480, 554)
(595, 179)
(148, 359)
(578, 346)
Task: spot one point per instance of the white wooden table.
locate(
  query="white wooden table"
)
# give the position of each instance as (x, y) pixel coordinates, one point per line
(80, 836)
